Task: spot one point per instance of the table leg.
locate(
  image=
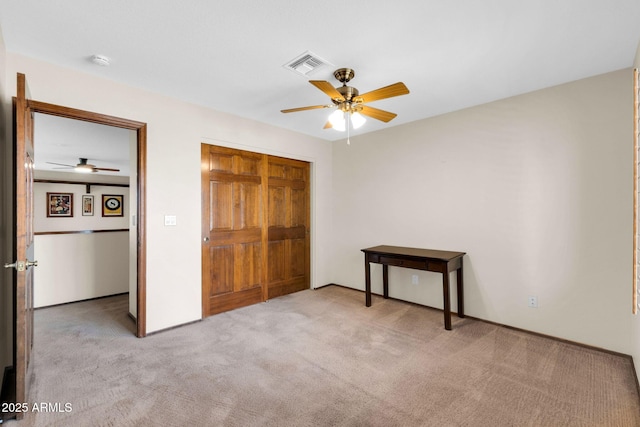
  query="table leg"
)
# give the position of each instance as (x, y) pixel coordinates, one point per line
(460, 292)
(385, 280)
(447, 300)
(367, 281)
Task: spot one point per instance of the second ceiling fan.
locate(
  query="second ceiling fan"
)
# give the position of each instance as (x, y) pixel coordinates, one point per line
(83, 166)
(349, 102)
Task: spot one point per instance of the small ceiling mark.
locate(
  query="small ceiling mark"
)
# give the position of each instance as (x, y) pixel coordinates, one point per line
(101, 60)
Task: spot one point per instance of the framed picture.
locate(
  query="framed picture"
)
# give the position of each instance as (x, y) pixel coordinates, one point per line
(59, 205)
(112, 205)
(87, 205)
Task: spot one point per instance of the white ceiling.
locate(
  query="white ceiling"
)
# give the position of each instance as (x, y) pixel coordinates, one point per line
(228, 55)
(61, 140)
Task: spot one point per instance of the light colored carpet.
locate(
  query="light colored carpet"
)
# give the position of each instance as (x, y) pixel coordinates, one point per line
(318, 358)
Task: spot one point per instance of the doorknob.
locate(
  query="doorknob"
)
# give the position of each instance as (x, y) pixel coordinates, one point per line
(22, 265)
(206, 239)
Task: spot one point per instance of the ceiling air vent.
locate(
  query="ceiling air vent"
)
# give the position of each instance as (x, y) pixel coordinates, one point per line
(306, 64)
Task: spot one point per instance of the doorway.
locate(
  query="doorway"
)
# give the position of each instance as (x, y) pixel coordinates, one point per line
(82, 253)
(138, 198)
(18, 377)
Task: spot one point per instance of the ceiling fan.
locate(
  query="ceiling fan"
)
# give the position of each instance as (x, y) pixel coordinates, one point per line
(347, 99)
(84, 167)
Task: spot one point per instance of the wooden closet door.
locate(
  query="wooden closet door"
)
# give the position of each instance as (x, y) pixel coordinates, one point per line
(288, 220)
(233, 253)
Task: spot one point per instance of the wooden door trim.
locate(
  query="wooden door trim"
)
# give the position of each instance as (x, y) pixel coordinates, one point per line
(141, 132)
(87, 116)
(265, 227)
(204, 224)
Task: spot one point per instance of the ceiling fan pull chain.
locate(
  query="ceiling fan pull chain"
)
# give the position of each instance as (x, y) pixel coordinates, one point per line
(348, 127)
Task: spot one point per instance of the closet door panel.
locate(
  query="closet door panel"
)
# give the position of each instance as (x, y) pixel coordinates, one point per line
(288, 213)
(232, 229)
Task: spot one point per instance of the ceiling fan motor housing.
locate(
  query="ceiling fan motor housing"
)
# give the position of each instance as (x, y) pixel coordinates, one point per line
(343, 75)
(348, 93)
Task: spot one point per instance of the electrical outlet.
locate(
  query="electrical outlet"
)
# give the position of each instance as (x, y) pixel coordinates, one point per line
(414, 279)
(532, 301)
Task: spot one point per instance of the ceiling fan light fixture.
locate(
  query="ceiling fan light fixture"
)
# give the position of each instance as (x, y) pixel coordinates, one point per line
(337, 120)
(357, 120)
(84, 169)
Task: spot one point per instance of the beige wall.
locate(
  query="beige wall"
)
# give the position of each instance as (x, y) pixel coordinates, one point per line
(175, 131)
(535, 188)
(635, 323)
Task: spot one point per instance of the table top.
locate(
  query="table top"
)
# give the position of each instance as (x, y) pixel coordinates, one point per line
(414, 252)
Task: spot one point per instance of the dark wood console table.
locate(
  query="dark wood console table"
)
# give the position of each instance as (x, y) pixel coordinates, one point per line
(420, 259)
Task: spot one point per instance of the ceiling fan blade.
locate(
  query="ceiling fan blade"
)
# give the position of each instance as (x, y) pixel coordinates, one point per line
(328, 89)
(106, 169)
(378, 114)
(60, 164)
(390, 91)
(312, 107)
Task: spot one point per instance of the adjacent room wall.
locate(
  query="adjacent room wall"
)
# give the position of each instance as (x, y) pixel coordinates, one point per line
(77, 222)
(133, 221)
(78, 266)
(535, 188)
(175, 131)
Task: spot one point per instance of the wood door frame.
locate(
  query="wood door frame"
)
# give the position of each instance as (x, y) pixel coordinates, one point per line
(141, 163)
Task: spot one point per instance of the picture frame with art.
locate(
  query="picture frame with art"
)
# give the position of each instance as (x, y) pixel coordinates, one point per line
(112, 205)
(87, 205)
(59, 205)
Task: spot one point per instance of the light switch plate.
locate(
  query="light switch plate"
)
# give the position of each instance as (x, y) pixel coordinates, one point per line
(170, 220)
